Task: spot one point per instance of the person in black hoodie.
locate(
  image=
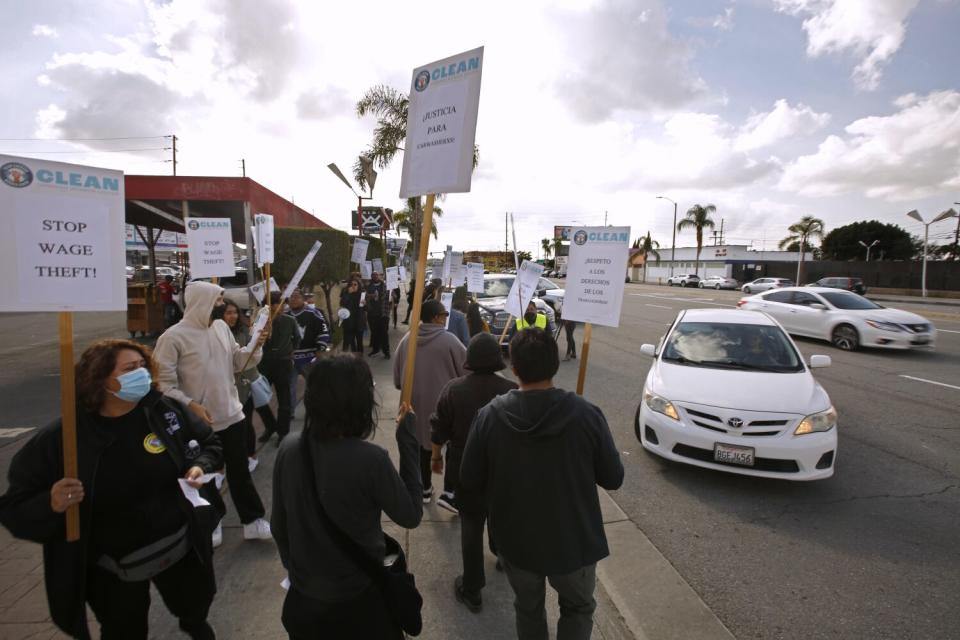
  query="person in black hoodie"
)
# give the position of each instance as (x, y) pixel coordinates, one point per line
(556, 446)
(355, 323)
(459, 403)
(133, 445)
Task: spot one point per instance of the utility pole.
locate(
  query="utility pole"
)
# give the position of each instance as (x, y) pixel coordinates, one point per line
(604, 218)
(956, 239)
(506, 243)
(243, 167)
(721, 232)
(174, 155)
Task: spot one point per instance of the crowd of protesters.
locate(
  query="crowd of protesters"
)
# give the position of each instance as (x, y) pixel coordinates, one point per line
(184, 412)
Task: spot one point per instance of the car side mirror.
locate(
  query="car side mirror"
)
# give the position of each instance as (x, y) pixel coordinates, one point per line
(820, 362)
(648, 350)
(817, 305)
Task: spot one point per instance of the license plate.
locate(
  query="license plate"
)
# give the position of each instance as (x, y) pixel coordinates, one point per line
(732, 454)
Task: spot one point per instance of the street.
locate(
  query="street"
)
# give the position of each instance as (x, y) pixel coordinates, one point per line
(869, 553)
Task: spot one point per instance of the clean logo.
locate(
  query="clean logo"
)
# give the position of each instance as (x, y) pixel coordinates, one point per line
(15, 174)
(423, 79)
(194, 225)
(580, 237)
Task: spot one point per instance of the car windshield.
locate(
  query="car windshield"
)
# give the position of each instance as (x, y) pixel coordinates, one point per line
(849, 301)
(732, 346)
(496, 287)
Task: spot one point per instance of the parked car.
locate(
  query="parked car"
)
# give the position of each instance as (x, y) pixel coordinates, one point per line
(492, 301)
(764, 284)
(848, 284)
(846, 319)
(684, 280)
(719, 282)
(730, 391)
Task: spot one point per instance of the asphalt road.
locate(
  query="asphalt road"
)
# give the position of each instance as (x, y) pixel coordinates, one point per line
(869, 553)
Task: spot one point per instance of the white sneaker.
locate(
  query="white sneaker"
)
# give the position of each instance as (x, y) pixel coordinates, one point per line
(218, 535)
(259, 529)
(252, 464)
(427, 495)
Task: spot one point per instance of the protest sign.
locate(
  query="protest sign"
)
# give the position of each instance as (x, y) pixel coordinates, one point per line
(595, 275)
(378, 265)
(524, 286)
(393, 278)
(359, 254)
(210, 245)
(458, 275)
(262, 317)
(302, 269)
(366, 269)
(403, 273)
(258, 289)
(442, 125)
(263, 225)
(475, 277)
(396, 246)
(445, 270)
(456, 263)
(446, 299)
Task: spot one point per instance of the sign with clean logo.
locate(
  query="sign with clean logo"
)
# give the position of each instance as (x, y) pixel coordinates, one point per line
(210, 243)
(596, 275)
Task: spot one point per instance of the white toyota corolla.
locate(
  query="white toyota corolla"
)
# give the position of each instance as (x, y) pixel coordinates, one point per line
(728, 390)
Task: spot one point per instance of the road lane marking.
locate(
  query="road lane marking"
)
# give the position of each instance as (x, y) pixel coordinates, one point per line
(13, 433)
(660, 306)
(939, 384)
(674, 299)
(947, 330)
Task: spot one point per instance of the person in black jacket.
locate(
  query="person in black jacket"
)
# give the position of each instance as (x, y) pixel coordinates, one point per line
(314, 339)
(353, 326)
(557, 447)
(133, 445)
(378, 316)
(460, 400)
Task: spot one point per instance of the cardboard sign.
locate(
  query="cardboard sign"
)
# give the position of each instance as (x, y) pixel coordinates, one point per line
(62, 246)
(596, 275)
(378, 265)
(393, 278)
(257, 290)
(524, 286)
(359, 254)
(366, 270)
(475, 277)
(263, 225)
(442, 126)
(302, 269)
(210, 244)
(446, 299)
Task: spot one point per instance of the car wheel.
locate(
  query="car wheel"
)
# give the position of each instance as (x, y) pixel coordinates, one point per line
(717, 287)
(746, 289)
(845, 337)
(683, 285)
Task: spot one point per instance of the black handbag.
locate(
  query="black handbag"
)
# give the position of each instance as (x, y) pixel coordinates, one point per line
(397, 585)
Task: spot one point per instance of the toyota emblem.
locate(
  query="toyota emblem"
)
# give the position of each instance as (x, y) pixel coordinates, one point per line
(736, 423)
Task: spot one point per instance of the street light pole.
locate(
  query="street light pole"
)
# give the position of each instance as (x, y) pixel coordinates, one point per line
(868, 246)
(949, 213)
(673, 242)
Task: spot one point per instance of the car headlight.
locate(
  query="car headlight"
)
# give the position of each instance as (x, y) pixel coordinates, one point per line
(884, 326)
(823, 421)
(660, 405)
(486, 316)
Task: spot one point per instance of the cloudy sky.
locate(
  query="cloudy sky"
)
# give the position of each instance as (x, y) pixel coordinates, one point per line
(769, 109)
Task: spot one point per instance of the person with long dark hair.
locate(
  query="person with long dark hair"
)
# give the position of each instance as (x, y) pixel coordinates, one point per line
(330, 596)
(353, 326)
(136, 526)
(475, 323)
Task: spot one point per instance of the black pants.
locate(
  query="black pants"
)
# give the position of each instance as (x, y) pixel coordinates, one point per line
(364, 617)
(250, 434)
(574, 591)
(242, 490)
(278, 373)
(406, 318)
(472, 524)
(352, 340)
(451, 470)
(571, 343)
(122, 608)
(379, 338)
(426, 472)
(394, 313)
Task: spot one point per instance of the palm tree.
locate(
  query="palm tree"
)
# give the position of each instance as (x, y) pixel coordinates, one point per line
(698, 217)
(808, 227)
(648, 247)
(547, 245)
(405, 219)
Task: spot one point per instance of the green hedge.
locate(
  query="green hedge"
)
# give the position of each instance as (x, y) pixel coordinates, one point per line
(331, 265)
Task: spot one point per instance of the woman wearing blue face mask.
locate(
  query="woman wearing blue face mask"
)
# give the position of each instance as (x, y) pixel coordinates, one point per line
(136, 525)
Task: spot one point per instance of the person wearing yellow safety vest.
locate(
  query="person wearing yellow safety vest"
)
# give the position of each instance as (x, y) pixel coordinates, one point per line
(532, 318)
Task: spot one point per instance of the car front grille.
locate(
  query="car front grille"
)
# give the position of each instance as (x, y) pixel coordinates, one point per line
(500, 321)
(755, 424)
(759, 464)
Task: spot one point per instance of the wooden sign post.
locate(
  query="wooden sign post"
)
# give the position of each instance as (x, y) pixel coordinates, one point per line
(406, 393)
(584, 356)
(68, 410)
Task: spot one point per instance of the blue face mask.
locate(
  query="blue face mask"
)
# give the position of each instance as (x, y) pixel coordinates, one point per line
(133, 385)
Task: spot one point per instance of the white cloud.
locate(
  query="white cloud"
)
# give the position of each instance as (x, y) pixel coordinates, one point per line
(45, 31)
(317, 104)
(873, 30)
(724, 21)
(783, 122)
(913, 153)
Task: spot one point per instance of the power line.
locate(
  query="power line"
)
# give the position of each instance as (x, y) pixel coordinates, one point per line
(79, 139)
(92, 150)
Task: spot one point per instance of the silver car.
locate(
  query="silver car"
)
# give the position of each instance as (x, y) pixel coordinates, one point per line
(496, 286)
(719, 282)
(764, 284)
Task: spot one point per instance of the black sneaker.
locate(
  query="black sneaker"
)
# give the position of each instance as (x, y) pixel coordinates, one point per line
(449, 502)
(470, 601)
(427, 495)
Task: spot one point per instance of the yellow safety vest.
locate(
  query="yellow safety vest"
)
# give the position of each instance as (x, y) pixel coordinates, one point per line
(539, 323)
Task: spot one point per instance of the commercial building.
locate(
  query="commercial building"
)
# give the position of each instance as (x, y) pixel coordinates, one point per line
(736, 261)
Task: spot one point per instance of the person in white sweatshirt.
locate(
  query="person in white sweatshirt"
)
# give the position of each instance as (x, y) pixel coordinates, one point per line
(196, 360)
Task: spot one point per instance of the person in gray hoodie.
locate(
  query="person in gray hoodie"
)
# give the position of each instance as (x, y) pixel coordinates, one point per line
(555, 448)
(196, 362)
(440, 359)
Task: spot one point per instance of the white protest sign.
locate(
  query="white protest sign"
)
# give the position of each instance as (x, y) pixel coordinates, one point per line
(595, 275)
(442, 126)
(446, 299)
(393, 278)
(403, 273)
(378, 265)
(366, 270)
(62, 246)
(210, 243)
(258, 325)
(445, 272)
(524, 286)
(257, 290)
(263, 224)
(359, 254)
(458, 275)
(302, 269)
(475, 277)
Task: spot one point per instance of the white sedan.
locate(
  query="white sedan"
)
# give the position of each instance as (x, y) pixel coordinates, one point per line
(729, 391)
(846, 319)
(719, 282)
